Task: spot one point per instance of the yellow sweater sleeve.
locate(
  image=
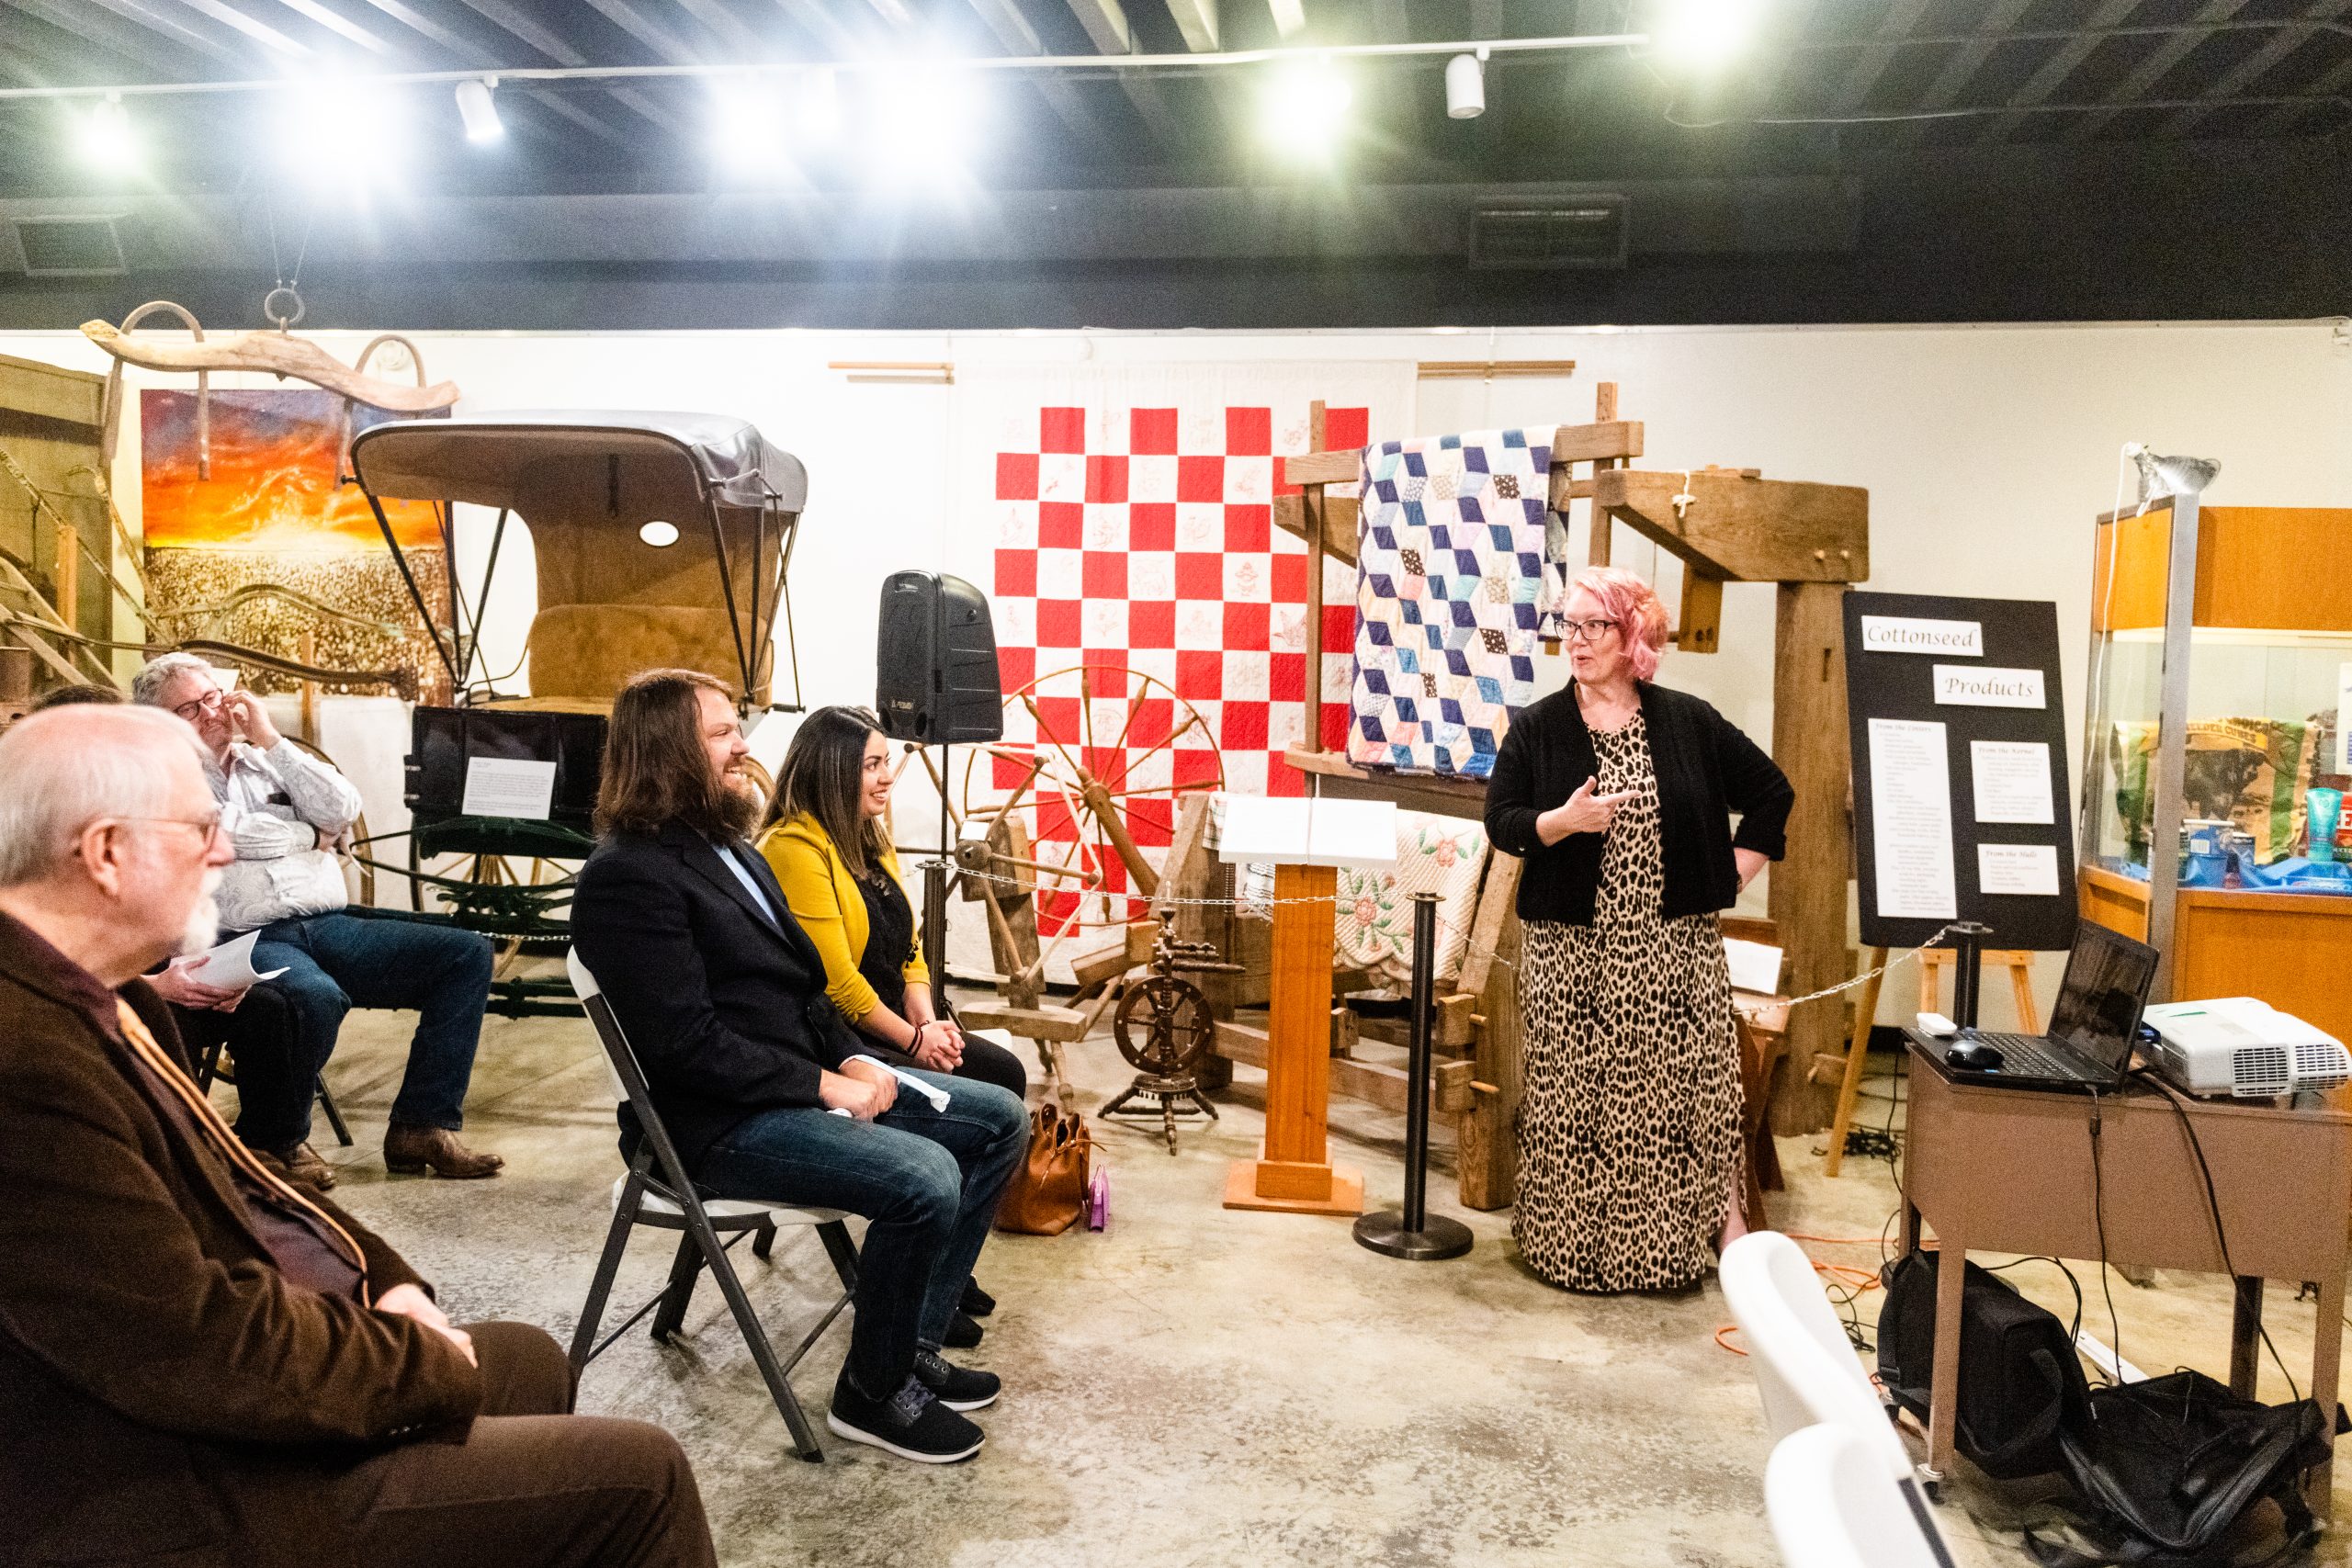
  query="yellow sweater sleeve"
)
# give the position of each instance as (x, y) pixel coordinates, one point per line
(805, 873)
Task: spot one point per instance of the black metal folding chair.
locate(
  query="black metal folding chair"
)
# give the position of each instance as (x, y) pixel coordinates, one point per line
(658, 1192)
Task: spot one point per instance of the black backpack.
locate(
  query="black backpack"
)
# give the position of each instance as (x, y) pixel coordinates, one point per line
(2020, 1382)
(2164, 1469)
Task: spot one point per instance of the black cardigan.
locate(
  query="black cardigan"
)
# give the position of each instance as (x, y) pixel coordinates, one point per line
(1707, 769)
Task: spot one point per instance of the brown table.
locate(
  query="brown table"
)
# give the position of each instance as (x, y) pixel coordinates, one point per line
(2009, 1170)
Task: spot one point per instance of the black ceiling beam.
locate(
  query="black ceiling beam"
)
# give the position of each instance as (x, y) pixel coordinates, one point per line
(2246, 71)
(2061, 61)
(1952, 80)
(505, 15)
(1015, 36)
(1105, 22)
(2152, 68)
(1870, 64)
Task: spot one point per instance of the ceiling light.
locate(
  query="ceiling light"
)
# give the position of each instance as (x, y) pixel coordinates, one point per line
(1705, 33)
(1465, 85)
(747, 125)
(340, 135)
(818, 110)
(1304, 108)
(480, 115)
(924, 122)
(103, 137)
(658, 534)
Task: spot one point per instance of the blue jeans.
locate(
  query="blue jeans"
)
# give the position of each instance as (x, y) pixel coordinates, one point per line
(375, 958)
(927, 1182)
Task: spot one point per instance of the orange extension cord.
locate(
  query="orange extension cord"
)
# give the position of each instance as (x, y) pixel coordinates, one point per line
(1859, 1279)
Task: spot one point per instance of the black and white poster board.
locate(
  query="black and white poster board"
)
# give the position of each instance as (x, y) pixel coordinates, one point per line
(1961, 790)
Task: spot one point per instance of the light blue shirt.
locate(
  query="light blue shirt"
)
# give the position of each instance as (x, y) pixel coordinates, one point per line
(733, 855)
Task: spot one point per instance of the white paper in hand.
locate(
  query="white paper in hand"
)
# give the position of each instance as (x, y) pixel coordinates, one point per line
(229, 967)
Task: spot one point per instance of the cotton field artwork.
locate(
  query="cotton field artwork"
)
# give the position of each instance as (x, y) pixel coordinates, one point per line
(270, 550)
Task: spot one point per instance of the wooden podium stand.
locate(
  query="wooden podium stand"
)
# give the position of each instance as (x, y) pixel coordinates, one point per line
(1306, 840)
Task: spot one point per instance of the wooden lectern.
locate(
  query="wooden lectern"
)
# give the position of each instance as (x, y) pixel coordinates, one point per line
(1306, 840)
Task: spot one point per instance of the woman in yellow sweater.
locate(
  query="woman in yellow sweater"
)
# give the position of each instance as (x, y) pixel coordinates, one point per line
(830, 850)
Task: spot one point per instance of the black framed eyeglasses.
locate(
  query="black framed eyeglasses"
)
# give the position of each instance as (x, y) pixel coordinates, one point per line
(205, 703)
(209, 826)
(1588, 631)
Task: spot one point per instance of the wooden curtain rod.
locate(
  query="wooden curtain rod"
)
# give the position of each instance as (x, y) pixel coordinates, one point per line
(1493, 369)
(919, 372)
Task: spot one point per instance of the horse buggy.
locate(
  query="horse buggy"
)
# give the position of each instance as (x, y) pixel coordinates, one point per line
(660, 541)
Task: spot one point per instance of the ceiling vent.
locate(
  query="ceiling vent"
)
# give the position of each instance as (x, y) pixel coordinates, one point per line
(1590, 233)
(69, 247)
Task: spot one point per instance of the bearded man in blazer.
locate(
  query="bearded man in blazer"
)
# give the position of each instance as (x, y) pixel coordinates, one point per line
(203, 1365)
(764, 1088)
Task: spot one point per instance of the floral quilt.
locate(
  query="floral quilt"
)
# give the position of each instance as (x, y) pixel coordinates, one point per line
(1443, 855)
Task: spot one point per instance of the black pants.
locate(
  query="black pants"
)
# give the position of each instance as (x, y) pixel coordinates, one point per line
(532, 1486)
(988, 1062)
(274, 1076)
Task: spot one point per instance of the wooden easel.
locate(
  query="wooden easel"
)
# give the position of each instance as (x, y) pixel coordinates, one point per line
(1932, 964)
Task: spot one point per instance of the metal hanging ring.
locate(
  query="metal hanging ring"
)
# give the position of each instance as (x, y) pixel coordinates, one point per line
(274, 305)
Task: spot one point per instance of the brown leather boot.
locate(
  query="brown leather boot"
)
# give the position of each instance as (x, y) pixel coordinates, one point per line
(410, 1151)
(303, 1163)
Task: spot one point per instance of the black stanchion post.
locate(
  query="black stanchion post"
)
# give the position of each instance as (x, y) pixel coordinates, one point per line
(1413, 1234)
(934, 902)
(1967, 971)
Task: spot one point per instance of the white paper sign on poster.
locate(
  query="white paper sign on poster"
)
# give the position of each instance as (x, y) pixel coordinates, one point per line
(1911, 634)
(509, 786)
(2029, 869)
(1984, 686)
(1911, 819)
(2343, 712)
(2011, 781)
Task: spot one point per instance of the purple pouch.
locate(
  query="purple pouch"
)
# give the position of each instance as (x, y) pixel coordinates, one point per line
(1098, 1200)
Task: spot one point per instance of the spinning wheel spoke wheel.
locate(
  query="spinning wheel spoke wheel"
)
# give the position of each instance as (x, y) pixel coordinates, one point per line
(1163, 1026)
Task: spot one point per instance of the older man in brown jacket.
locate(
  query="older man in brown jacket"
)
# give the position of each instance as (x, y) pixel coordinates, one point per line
(201, 1364)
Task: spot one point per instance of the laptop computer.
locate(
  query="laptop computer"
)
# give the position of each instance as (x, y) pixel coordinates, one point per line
(2092, 1029)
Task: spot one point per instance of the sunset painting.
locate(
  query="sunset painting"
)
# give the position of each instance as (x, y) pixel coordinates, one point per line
(273, 485)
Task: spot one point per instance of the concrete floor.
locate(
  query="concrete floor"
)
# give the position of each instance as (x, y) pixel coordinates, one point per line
(1195, 1386)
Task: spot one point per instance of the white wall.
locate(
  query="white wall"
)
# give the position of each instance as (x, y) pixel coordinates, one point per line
(1986, 451)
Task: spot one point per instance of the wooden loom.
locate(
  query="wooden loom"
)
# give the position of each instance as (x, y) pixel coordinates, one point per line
(1725, 526)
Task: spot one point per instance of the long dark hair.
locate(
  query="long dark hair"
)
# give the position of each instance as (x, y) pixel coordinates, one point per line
(823, 776)
(655, 769)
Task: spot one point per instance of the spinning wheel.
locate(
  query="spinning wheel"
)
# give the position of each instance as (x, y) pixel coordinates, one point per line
(1114, 751)
(1174, 1019)
(1177, 1032)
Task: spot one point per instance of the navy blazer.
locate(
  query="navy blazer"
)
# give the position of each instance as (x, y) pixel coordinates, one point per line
(724, 1005)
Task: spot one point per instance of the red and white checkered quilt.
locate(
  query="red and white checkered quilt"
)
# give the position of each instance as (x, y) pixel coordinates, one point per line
(1151, 547)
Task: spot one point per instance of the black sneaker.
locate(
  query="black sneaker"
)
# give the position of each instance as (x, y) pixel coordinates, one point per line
(910, 1424)
(976, 1302)
(958, 1388)
(963, 1334)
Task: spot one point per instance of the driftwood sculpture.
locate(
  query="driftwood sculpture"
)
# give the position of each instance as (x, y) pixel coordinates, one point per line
(278, 354)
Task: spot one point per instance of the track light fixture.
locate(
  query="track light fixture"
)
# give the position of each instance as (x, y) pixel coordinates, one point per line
(103, 136)
(1465, 85)
(480, 115)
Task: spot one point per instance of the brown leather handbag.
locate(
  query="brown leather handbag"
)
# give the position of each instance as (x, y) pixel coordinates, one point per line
(1047, 1193)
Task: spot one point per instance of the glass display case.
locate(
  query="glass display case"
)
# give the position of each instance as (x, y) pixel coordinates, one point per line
(2212, 820)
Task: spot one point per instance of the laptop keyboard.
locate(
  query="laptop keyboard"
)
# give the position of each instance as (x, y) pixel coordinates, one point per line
(2023, 1053)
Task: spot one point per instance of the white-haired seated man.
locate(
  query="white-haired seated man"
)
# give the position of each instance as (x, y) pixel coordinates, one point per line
(201, 1363)
(283, 811)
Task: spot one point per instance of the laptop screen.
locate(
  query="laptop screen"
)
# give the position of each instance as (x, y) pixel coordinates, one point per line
(2107, 983)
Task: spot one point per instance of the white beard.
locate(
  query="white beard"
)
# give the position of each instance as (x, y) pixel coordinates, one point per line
(203, 927)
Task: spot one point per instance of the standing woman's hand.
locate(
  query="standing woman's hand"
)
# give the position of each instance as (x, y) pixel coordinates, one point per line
(1583, 812)
(1749, 861)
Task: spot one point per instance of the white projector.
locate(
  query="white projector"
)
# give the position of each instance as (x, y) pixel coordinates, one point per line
(2239, 1046)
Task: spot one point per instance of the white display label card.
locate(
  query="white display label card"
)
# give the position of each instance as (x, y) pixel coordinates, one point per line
(1911, 819)
(2343, 712)
(2011, 781)
(1911, 634)
(1982, 686)
(508, 787)
(2028, 869)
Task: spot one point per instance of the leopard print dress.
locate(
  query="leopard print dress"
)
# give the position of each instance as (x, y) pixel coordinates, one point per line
(1629, 1124)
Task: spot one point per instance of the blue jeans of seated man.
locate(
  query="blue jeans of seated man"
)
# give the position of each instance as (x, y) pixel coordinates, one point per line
(927, 1182)
(377, 958)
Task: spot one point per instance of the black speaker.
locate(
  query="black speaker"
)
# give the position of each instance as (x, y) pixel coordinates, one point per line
(936, 678)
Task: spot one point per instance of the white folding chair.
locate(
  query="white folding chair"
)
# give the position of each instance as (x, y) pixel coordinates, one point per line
(1833, 1505)
(1805, 1368)
(658, 1191)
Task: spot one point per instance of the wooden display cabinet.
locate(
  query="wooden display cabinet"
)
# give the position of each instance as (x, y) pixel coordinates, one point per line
(2241, 729)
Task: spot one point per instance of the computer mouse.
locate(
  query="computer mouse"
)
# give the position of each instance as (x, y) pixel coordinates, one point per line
(1973, 1055)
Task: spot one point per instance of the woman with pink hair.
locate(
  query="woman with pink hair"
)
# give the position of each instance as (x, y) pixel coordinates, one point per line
(1618, 793)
